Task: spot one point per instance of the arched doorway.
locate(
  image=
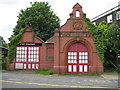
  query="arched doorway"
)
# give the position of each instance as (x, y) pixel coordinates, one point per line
(77, 58)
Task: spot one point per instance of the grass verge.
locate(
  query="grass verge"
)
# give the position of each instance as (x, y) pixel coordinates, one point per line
(44, 71)
(83, 74)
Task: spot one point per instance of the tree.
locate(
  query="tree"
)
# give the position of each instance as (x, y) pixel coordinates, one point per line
(12, 45)
(113, 47)
(2, 42)
(40, 17)
(100, 35)
(107, 40)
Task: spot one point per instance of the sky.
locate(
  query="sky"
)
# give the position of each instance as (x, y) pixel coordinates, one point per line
(9, 10)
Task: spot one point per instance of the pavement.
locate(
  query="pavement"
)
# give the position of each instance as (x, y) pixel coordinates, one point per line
(105, 75)
(110, 75)
(30, 79)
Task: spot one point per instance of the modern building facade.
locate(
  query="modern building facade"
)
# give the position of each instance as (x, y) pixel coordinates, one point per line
(111, 16)
(70, 50)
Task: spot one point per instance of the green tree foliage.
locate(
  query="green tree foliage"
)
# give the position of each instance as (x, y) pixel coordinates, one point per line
(113, 47)
(5, 45)
(99, 34)
(114, 35)
(40, 17)
(2, 42)
(12, 45)
(107, 40)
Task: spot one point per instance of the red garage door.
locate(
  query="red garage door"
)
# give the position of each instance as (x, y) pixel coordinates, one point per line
(27, 57)
(77, 58)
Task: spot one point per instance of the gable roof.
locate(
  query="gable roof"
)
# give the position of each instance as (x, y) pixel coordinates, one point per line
(77, 5)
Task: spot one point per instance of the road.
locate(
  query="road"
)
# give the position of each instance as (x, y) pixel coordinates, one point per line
(32, 80)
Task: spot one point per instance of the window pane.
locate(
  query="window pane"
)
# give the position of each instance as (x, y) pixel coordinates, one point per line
(36, 66)
(29, 66)
(80, 53)
(86, 53)
(80, 68)
(71, 61)
(74, 68)
(19, 65)
(86, 61)
(37, 48)
(80, 61)
(68, 57)
(80, 57)
(75, 57)
(68, 53)
(16, 59)
(25, 48)
(37, 56)
(68, 61)
(85, 68)
(24, 66)
(83, 57)
(75, 61)
(118, 15)
(22, 48)
(33, 66)
(75, 53)
(37, 60)
(29, 60)
(86, 57)
(69, 68)
(109, 19)
(77, 14)
(71, 57)
(17, 48)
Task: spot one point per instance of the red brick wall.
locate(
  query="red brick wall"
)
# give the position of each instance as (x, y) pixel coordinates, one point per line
(62, 44)
(54, 55)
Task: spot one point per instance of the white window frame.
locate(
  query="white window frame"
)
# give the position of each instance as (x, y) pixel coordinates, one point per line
(77, 13)
(94, 23)
(109, 19)
(118, 15)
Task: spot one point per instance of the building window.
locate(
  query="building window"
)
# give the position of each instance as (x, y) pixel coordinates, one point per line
(77, 14)
(118, 15)
(109, 19)
(94, 23)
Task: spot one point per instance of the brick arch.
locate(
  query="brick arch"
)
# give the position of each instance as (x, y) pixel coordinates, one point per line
(78, 40)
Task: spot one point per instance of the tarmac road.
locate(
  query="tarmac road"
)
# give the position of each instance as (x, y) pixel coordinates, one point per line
(23, 79)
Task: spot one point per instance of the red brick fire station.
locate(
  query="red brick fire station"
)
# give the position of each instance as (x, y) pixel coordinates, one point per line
(70, 50)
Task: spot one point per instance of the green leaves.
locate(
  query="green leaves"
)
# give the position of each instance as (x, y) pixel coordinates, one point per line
(40, 17)
(107, 40)
(114, 35)
(99, 34)
(14, 41)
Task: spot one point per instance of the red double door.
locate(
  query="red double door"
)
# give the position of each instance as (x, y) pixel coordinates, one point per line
(77, 58)
(27, 57)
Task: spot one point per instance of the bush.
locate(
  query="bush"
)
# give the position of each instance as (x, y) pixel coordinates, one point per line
(83, 74)
(45, 71)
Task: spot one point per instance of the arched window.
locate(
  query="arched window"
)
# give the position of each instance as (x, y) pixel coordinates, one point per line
(77, 14)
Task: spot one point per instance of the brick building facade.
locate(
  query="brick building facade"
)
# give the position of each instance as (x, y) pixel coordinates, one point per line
(70, 50)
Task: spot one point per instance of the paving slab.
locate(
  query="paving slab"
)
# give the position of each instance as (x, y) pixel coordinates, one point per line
(110, 75)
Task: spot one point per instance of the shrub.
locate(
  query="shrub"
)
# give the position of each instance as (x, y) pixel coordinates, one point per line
(44, 71)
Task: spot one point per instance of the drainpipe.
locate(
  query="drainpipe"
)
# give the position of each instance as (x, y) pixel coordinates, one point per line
(59, 52)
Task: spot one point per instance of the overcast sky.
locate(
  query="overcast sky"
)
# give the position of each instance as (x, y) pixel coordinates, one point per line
(9, 10)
